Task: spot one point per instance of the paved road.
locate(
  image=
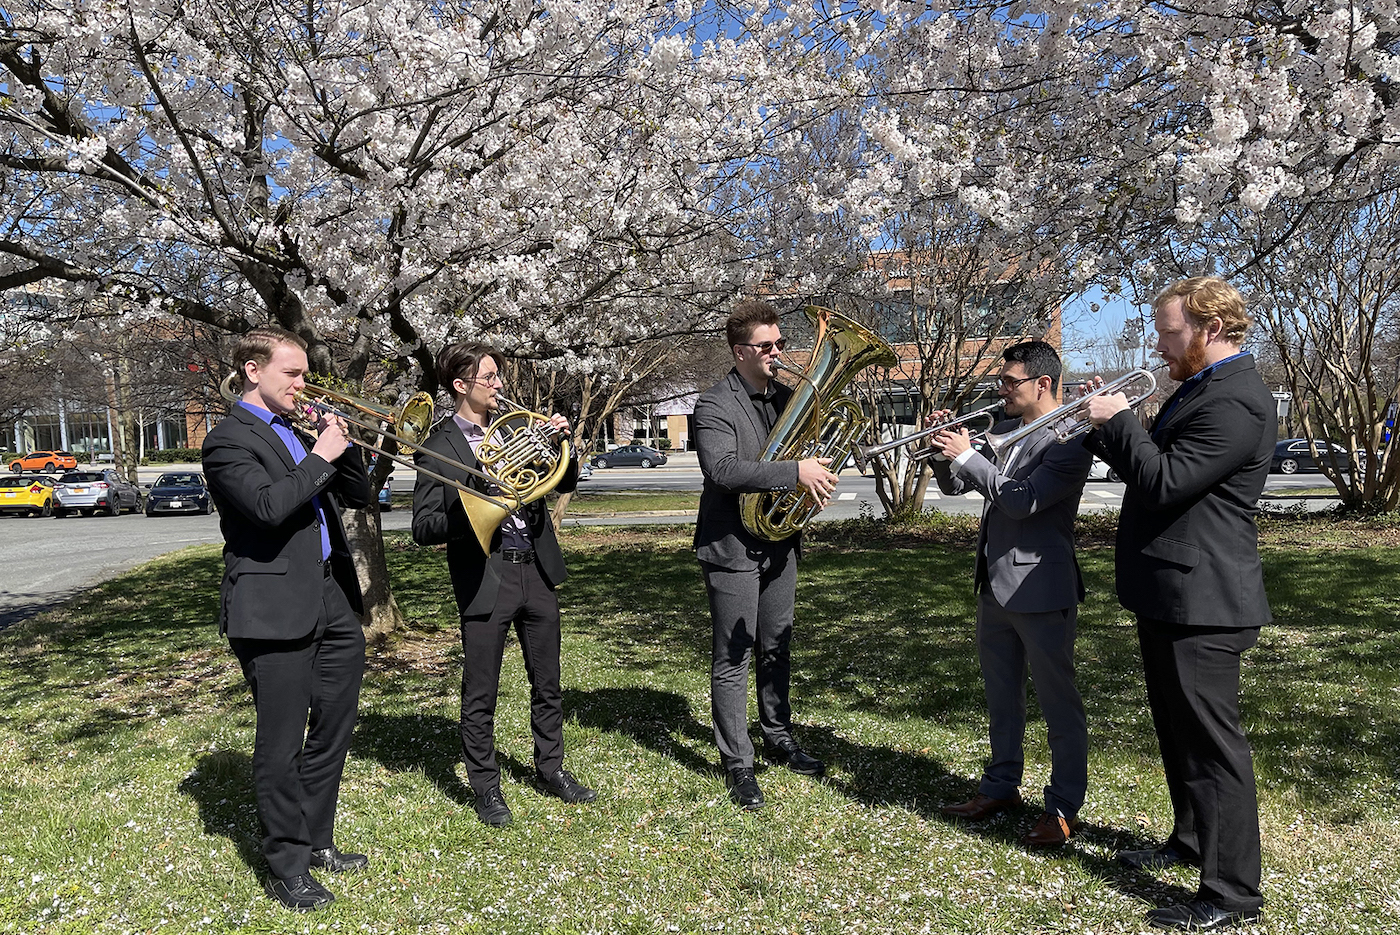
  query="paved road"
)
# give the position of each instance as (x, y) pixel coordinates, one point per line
(45, 561)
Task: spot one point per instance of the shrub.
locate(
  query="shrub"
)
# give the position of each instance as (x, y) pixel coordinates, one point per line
(173, 456)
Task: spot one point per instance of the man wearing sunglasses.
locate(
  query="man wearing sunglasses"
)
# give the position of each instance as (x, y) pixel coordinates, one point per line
(751, 582)
(1028, 589)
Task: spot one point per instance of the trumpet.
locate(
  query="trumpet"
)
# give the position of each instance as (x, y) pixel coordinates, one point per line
(864, 455)
(1068, 422)
(524, 461)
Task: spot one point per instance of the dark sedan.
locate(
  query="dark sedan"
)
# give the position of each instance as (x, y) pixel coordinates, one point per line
(1292, 455)
(630, 455)
(179, 492)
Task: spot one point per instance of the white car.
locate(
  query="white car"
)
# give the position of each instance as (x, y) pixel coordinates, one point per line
(1098, 470)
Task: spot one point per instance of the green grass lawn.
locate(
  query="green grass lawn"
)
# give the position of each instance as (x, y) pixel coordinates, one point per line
(126, 733)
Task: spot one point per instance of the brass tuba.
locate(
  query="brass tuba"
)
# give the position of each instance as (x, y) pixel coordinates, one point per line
(819, 422)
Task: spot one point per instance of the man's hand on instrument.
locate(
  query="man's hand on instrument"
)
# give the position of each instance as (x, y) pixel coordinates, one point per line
(952, 442)
(559, 423)
(813, 477)
(937, 416)
(1099, 409)
(333, 438)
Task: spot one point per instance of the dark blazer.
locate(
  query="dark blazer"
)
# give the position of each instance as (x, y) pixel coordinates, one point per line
(438, 517)
(729, 439)
(1025, 544)
(1188, 547)
(272, 542)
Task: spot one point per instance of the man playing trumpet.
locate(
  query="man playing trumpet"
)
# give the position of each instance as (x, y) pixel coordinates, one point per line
(1187, 558)
(1028, 589)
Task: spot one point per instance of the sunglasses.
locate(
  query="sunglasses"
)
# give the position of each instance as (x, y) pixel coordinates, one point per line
(764, 347)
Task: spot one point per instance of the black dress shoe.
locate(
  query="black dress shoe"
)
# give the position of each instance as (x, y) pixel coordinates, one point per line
(788, 753)
(1155, 858)
(1199, 916)
(491, 808)
(300, 893)
(743, 788)
(330, 858)
(561, 783)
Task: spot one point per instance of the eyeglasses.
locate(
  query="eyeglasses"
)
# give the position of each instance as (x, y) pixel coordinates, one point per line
(490, 379)
(1010, 383)
(763, 347)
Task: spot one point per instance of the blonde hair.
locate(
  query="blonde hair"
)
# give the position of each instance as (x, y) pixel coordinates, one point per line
(257, 345)
(1207, 297)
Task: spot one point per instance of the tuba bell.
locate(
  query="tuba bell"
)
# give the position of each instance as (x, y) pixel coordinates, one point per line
(819, 422)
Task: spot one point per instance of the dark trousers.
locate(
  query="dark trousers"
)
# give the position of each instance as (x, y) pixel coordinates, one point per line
(1006, 643)
(306, 693)
(527, 602)
(751, 615)
(1193, 683)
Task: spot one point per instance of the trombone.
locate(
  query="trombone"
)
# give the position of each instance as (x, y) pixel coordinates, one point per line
(526, 461)
(863, 455)
(1068, 422)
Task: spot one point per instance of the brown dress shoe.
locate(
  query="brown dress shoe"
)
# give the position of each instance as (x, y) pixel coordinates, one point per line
(1050, 831)
(981, 807)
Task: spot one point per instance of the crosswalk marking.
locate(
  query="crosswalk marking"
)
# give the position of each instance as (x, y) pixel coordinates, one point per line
(846, 496)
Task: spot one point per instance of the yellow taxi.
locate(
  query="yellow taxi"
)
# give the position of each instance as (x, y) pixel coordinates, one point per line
(30, 495)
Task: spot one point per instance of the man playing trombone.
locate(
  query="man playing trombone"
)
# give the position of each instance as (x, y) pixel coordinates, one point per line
(1028, 589)
(1188, 566)
(289, 603)
(513, 585)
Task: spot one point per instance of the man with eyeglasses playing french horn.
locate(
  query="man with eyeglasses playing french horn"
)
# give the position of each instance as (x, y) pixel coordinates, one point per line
(511, 585)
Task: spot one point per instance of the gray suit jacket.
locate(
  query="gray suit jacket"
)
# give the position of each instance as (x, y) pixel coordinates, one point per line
(1025, 545)
(730, 438)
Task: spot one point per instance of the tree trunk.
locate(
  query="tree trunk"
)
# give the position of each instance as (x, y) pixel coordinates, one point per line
(365, 534)
(366, 537)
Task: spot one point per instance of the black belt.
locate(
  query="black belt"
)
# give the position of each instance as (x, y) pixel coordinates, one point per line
(518, 556)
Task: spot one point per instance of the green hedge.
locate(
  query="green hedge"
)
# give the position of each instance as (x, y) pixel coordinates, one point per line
(173, 456)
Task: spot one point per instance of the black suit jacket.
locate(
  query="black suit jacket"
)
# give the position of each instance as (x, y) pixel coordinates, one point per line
(438, 517)
(272, 542)
(729, 439)
(1187, 546)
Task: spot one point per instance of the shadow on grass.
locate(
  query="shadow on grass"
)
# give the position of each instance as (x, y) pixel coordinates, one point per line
(651, 717)
(426, 743)
(221, 785)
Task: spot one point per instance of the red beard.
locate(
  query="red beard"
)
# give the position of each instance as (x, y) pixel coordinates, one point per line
(1193, 361)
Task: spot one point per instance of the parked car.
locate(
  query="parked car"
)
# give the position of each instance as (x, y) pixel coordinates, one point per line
(630, 455)
(44, 461)
(32, 496)
(585, 470)
(1099, 470)
(1292, 455)
(93, 491)
(179, 492)
(384, 498)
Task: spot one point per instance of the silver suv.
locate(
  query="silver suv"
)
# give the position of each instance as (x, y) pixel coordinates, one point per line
(91, 492)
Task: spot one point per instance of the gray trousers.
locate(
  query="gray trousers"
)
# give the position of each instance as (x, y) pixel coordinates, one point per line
(1006, 642)
(751, 615)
